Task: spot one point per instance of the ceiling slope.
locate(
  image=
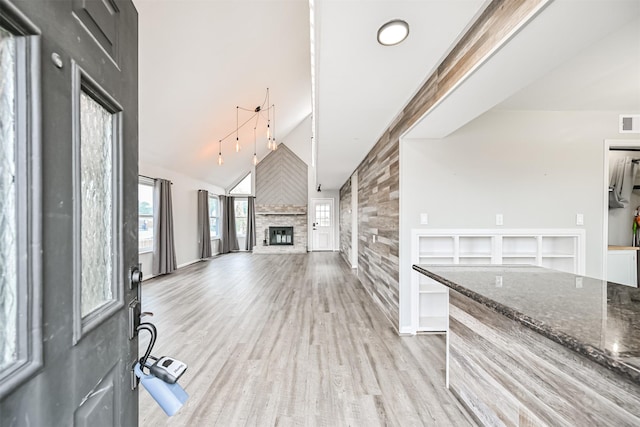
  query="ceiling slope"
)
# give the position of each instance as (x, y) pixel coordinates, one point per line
(572, 56)
(201, 59)
(361, 85)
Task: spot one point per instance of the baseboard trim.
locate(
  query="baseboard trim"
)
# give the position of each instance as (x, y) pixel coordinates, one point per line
(406, 331)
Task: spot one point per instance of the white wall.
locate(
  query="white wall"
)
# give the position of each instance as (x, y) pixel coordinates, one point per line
(184, 194)
(538, 169)
(621, 219)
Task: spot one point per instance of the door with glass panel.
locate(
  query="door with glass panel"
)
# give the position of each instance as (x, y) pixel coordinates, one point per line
(323, 224)
(68, 212)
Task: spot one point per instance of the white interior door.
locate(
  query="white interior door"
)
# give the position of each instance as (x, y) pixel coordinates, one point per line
(323, 224)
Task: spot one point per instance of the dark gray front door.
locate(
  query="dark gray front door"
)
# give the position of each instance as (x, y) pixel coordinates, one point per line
(68, 211)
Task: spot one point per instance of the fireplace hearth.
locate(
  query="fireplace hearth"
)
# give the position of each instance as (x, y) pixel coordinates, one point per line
(280, 236)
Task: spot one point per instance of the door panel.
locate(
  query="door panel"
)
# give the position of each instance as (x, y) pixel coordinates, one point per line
(88, 222)
(323, 224)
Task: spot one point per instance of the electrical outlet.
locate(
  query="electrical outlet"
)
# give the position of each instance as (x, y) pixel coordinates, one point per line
(498, 281)
(578, 282)
(424, 218)
(579, 219)
(499, 219)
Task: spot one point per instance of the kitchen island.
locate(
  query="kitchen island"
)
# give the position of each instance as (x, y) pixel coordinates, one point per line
(532, 346)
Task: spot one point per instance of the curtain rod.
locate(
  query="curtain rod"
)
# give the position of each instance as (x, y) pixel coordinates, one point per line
(148, 177)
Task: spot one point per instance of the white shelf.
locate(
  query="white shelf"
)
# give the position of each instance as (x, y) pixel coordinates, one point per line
(436, 255)
(432, 288)
(433, 323)
(559, 249)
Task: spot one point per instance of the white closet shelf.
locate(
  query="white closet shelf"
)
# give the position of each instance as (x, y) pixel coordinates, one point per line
(433, 323)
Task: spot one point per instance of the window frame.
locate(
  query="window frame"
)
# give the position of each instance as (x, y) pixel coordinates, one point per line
(148, 182)
(240, 200)
(83, 324)
(216, 216)
(28, 160)
(240, 181)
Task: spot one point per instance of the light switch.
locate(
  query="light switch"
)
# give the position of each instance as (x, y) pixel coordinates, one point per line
(499, 219)
(424, 218)
(579, 219)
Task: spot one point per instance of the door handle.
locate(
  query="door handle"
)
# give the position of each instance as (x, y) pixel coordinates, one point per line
(135, 276)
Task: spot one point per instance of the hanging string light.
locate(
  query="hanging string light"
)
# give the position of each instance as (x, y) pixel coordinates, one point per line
(237, 139)
(257, 112)
(274, 144)
(268, 123)
(255, 157)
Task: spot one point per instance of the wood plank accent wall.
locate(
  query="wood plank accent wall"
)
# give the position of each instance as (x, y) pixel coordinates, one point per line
(345, 222)
(281, 179)
(378, 174)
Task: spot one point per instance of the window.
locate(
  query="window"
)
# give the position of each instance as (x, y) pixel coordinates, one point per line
(96, 202)
(240, 207)
(214, 213)
(323, 215)
(242, 188)
(145, 215)
(8, 195)
(20, 211)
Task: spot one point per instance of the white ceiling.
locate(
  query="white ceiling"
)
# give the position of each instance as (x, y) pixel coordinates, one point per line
(200, 59)
(572, 56)
(362, 85)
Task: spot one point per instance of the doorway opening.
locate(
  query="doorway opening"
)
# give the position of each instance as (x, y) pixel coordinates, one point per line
(621, 204)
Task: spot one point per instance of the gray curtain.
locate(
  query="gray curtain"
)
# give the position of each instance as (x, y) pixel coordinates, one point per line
(164, 251)
(251, 224)
(229, 240)
(204, 234)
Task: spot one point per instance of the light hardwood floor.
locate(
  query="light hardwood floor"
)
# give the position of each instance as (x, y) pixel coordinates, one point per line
(291, 340)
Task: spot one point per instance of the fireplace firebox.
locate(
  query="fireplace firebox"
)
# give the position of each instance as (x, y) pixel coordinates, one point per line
(280, 236)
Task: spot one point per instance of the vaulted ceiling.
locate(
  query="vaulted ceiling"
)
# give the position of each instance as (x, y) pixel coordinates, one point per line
(199, 59)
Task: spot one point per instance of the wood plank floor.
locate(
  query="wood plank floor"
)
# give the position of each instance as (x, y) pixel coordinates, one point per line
(291, 340)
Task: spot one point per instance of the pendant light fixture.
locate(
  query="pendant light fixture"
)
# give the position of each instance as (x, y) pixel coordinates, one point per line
(237, 139)
(266, 119)
(273, 142)
(255, 157)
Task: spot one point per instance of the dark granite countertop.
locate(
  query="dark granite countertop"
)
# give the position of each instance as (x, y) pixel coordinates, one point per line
(597, 319)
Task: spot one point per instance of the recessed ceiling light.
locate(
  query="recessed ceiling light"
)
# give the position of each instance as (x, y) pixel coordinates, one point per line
(393, 32)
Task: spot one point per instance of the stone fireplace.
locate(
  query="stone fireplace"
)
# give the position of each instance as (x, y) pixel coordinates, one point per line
(281, 217)
(281, 202)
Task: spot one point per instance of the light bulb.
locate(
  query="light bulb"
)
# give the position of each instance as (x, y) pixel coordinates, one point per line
(220, 162)
(274, 146)
(255, 159)
(268, 133)
(237, 145)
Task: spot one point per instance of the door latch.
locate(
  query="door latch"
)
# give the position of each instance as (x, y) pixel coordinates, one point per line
(135, 276)
(135, 316)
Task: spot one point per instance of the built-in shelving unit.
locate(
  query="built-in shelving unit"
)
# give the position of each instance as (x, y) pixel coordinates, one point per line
(558, 249)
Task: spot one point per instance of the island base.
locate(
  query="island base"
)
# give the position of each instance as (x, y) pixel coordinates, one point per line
(508, 374)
